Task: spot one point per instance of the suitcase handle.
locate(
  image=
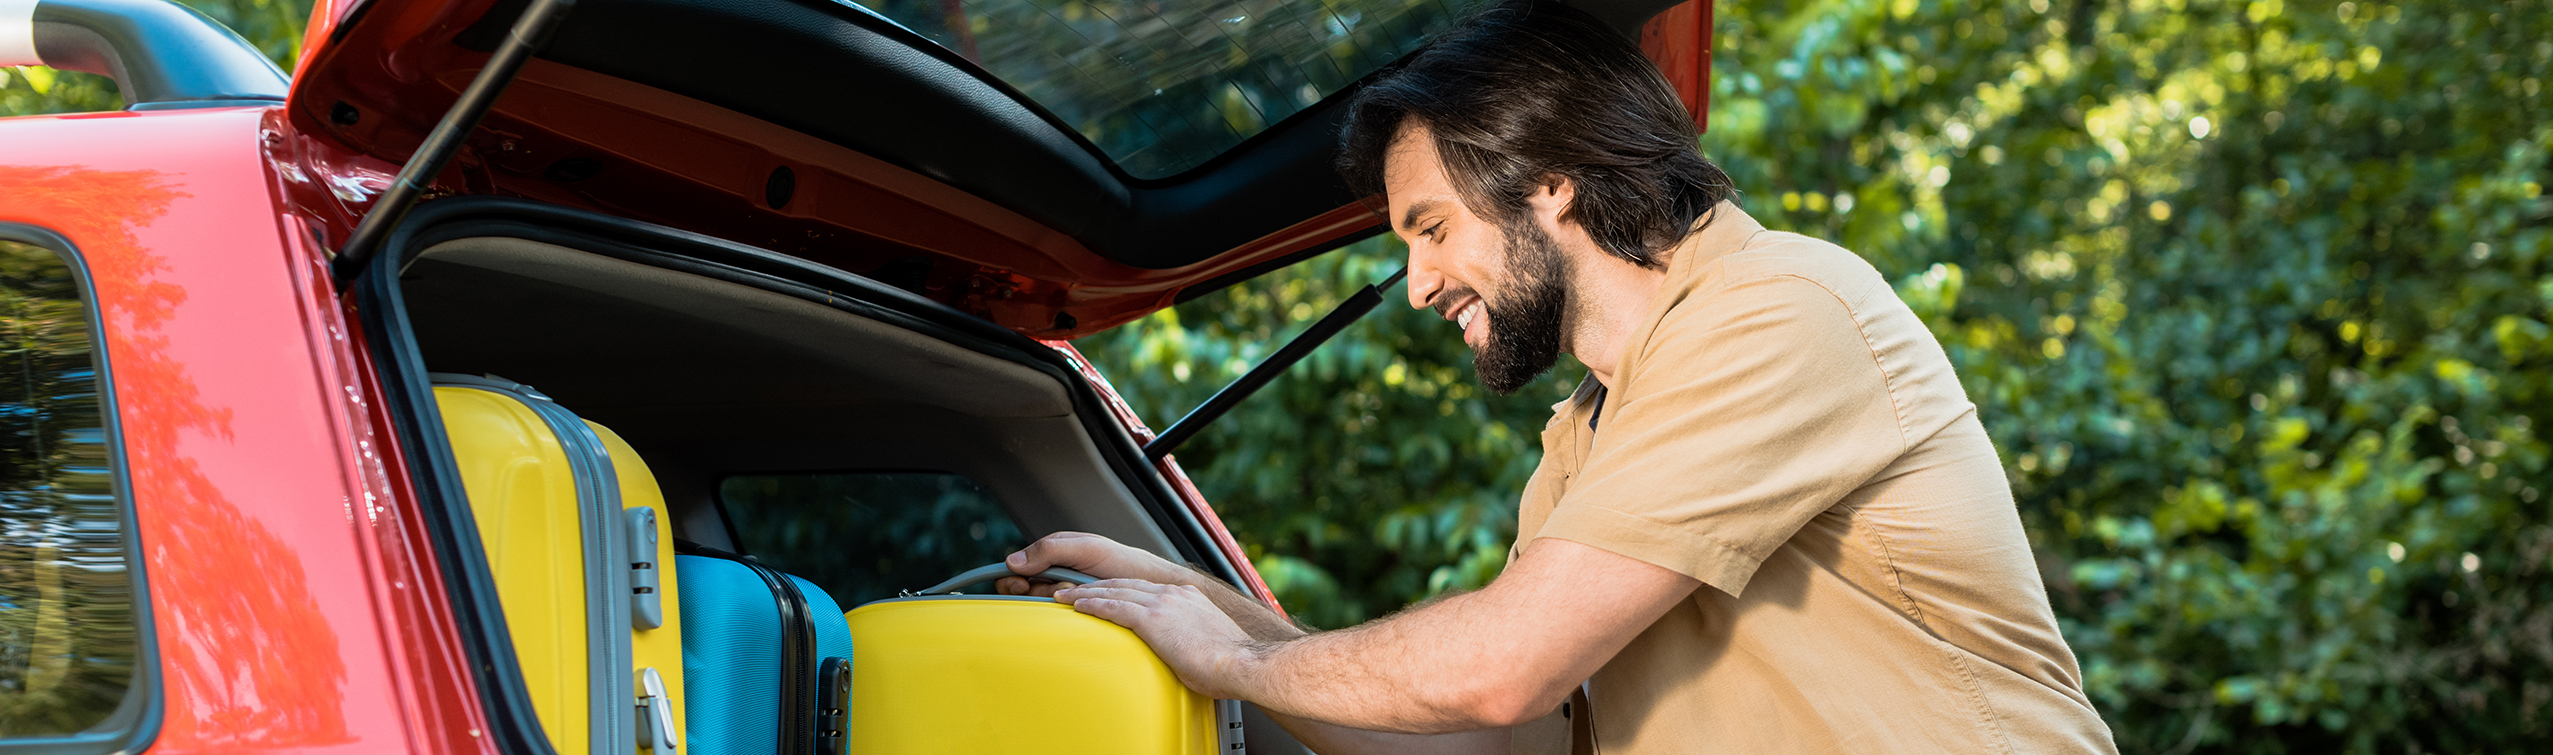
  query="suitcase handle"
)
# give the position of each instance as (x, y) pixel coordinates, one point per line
(997, 571)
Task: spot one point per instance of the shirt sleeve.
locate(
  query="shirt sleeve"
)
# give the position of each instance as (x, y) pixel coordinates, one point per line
(1750, 410)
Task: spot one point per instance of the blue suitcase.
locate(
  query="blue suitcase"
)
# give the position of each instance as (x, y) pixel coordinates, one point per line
(766, 658)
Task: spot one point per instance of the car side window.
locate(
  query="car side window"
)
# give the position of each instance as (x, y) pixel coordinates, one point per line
(71, 639)
(863, 536)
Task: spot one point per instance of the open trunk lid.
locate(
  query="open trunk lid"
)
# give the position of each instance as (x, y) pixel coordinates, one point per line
(1057, 168)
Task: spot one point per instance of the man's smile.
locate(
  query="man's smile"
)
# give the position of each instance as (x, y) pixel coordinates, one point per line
(1468, 308)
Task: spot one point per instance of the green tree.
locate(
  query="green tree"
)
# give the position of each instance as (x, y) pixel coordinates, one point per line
(2252, 295)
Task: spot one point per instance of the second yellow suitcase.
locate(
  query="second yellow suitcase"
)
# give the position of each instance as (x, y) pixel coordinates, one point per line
(968, 675)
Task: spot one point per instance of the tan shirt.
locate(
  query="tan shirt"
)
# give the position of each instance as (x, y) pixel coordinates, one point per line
(1789, 433)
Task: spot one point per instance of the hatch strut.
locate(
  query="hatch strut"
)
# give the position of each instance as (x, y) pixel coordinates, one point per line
(1356, 306)
(530, 31)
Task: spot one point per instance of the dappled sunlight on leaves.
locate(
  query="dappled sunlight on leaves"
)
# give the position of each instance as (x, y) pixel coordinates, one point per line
(2253, 296)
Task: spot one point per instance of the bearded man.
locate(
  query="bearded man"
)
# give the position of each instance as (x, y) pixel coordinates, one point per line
(1768, 520)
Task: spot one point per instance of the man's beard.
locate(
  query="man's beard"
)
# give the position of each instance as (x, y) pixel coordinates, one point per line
(1524, 329)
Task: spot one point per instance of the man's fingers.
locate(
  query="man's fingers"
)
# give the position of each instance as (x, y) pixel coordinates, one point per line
(1121, 590)
(1070, 550)
(1025, 586)
(1138, 585)
(1124, 613)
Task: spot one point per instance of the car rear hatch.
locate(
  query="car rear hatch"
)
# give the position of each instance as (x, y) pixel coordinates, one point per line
(1057, 168)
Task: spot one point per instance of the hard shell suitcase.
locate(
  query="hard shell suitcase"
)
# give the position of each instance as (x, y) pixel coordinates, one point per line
(768, 658)
(578, 539)
(934, 670)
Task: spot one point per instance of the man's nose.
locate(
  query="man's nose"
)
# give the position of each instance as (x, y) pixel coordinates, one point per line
(1424, 279)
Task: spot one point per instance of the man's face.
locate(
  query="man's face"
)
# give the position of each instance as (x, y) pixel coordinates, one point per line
(1508, 289)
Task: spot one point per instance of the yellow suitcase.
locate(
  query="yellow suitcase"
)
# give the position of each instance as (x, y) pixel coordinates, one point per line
(581, 546)
(952, 674)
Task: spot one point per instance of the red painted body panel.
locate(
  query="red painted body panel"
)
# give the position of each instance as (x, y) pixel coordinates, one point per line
(1678, 40)
(293, 609)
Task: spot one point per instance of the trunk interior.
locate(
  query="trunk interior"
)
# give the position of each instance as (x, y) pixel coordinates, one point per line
(866, 457)
(863, 456)
(817, 424)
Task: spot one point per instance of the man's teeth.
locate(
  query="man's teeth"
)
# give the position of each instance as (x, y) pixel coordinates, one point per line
(1464, 319)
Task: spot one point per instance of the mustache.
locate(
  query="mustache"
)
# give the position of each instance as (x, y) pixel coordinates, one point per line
(1444, 305)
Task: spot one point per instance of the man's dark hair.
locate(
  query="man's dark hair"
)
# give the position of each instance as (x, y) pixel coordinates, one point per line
(1523, 91)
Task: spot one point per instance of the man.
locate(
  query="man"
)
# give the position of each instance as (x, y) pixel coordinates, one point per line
(1768, 521)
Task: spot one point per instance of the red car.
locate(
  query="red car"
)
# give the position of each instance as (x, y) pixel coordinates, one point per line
(819, 262)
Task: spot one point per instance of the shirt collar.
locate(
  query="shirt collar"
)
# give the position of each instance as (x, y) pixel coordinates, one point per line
(1723, 230)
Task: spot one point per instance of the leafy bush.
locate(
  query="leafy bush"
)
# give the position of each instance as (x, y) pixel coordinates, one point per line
(2253, 296)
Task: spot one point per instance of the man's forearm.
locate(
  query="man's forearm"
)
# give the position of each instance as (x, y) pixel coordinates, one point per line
(1256, 618)
(1485, 660)
(1495, 658)
(1264, 625)
(1415, 673)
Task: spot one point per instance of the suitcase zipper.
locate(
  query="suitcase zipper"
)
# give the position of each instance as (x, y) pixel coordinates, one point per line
(798, 659)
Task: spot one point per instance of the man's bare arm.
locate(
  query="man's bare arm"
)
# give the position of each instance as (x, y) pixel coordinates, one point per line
(1264, 625)
(1485, 660)
(1102, 557)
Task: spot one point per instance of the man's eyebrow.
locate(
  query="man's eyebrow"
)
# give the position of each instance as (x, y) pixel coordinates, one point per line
(1409, 217)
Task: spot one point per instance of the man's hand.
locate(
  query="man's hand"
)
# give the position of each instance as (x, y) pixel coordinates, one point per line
(1201, 644)
(1089, 554)
(1108, 559)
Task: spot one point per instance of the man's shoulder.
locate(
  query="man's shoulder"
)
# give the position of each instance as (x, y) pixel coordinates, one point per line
(1785, 254)
(1774, 256)
(1818, 281)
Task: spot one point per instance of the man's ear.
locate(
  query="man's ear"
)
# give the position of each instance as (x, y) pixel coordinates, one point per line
(1552, 200)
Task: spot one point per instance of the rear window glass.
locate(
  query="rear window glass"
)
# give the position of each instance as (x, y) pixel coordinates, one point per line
(1162, 87)
(68, 635)
(864, 536)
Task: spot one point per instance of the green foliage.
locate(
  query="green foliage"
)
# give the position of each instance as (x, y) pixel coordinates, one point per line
(2252, 295)
(38, 90)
